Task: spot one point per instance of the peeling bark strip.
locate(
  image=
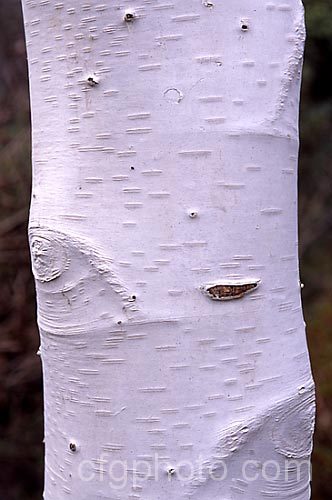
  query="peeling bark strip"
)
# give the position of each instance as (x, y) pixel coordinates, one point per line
(165, 145)
(228, 290)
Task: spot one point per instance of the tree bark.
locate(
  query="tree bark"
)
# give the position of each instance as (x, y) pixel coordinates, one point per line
(163, 235)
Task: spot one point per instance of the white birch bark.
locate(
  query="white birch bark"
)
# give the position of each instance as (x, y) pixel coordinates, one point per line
(165, 146)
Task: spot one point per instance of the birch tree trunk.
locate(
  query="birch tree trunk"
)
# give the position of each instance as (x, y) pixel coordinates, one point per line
(163, 235)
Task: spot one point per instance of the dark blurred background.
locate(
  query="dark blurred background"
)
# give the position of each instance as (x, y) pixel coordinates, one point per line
(21, 422)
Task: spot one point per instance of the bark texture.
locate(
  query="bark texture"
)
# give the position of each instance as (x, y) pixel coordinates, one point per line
(163, 235)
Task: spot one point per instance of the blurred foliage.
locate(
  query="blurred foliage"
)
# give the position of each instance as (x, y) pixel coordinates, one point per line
(316, 149)
(21, 420)
(315, 186)
(21, 451)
